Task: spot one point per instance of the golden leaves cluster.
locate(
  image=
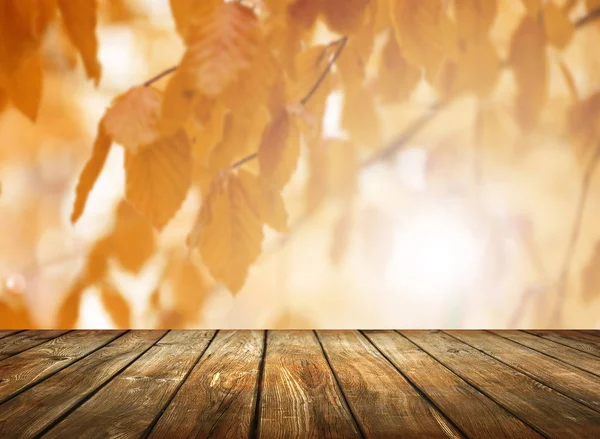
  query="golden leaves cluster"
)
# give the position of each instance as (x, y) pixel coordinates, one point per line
(251, 88)
(23, 24)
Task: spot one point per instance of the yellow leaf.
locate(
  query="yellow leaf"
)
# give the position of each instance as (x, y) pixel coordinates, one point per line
(118, 308)
(80, 20)
(177, 105)
(158, 178)
(533, 7)
(475, 18)
(91, 171)
(360, 118)
(529, 64)
(219, 47)
(132, 119)
(229, 230)
(279, 150)
(185, 10)
(265, 200)
(559, 29)
(132, 239)
(396, 77)
(418, 27)
(25, 86)
(22, 26)
(205, 133)
(351, 67)
(344, 16)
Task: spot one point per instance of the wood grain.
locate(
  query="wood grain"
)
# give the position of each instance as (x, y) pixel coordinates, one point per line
(550, 412)
(382, 400)
(473, 412)
(127, 406)
(218, 398)
(30, 367)
(34, 410)
(300, 397)
(19, 342)
(575, 339)
(571, 381)
(574, 357)
(6, 333)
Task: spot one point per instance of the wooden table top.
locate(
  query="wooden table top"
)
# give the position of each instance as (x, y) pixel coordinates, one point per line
(323, 384)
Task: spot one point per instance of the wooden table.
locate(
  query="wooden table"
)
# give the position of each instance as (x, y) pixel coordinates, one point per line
(422, 384)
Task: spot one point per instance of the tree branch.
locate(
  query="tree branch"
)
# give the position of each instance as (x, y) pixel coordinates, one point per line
(160, 76)
(574, 237)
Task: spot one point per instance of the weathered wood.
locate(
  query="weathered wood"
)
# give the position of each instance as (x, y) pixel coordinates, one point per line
(218, 398)
(550, 412)
(19, 342)
(300, 397)
(31, 412)
(575, 339)
(574, 357)
(571, 381)
(33, 365)
(473, 412)
(6, 333)
(382, 400)
(127, 406)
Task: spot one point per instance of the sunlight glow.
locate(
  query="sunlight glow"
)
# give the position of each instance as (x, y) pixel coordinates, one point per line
(434, 253)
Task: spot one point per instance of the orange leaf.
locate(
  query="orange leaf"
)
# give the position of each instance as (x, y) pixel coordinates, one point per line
(24, 87)
(185, 10)
(475, 18)
(118, 308)
(344, 16)
(397, 78)
(220, 46)
(529, 64)
(91, 171)
(132, 119)
(229, 231)
(158, 178)
(559, 29)
(81, 20)
(279, 150)
(360, 118)
(265, 200)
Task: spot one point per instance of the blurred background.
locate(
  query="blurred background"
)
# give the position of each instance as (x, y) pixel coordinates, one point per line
(470, 225)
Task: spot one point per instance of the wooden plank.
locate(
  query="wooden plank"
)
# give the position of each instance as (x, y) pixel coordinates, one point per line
(550, 412)
(31, 412)
(32, 366)
(19, 342)
(218, 398)
(575, 339)
(6, 333)
(382, 400)
(472, 411)
(561, 352)
(128, 405)
(300, 397)
(571, 381)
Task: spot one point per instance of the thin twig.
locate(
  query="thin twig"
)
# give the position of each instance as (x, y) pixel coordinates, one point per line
(160, 76)
(574, 237)
(341, 43)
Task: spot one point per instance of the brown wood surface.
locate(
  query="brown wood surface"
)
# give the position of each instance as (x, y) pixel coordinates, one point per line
(33, 411)
(218, 398)
(127, 406)
(472, 411)
(574, 357)
(550, 412)
(19, 342)
(381, 399)
(576, 339)
(343, 384)
(33, 365)
(571, 381)
(300, 397)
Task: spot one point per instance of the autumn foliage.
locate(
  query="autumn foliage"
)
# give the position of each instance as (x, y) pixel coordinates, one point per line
(246, 103)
